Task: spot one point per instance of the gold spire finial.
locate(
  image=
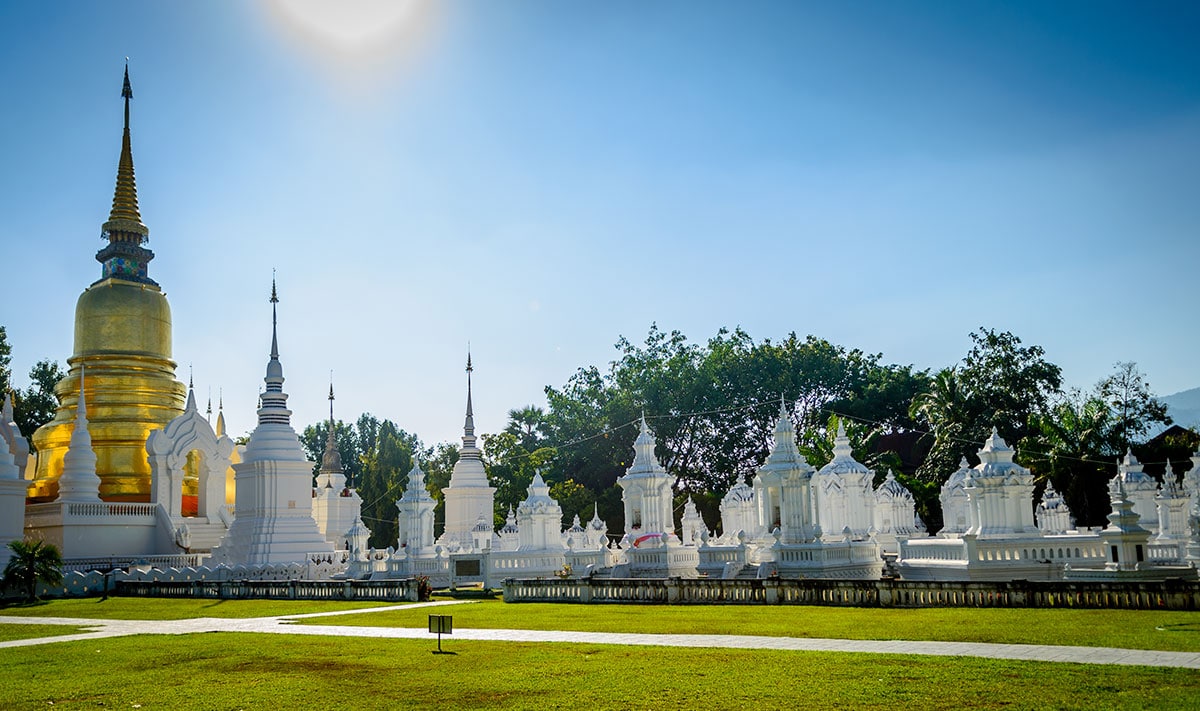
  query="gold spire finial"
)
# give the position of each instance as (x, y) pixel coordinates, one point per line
(125, 221)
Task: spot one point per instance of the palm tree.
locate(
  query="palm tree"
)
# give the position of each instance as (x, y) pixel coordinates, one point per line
(948, 408)
(32, 562)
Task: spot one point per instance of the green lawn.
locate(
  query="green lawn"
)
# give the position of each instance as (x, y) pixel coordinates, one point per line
(1132, 629)
(11, 632)
(137, 608)
(247, 671)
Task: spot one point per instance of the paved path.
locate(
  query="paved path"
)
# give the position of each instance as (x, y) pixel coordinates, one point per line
(98, 629)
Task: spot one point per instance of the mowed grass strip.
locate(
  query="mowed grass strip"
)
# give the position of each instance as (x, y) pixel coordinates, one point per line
(1129, 629)
(9, 633)
(251, 671)
(141, 608)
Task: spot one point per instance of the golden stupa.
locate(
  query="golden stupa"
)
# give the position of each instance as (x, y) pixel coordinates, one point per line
(123, 337)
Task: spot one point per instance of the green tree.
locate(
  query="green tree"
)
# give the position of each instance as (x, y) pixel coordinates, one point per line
(1000, 384)
(5, 363)
(32, 562)
(1071, 447)
(1133, 407)
(438, 465)
(35, 405)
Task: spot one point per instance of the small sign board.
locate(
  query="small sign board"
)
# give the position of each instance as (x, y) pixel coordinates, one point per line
(440, 625)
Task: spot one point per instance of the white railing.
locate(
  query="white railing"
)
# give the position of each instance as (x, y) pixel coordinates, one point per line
(1160, 595)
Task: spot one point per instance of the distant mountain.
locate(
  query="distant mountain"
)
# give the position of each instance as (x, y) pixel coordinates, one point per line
(1184, 407)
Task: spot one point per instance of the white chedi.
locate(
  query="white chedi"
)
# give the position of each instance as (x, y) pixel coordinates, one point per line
(895, 508)
(691, 524)
(79, 482)
(1139, 488)
(646, 490)
(415, 507)
(783, 488)
(999, 492)
(845, 494)
(1172, 508)
(956, 516)
(539, 519)
(739, 513)
(273, 521)
(469, 498)
(1053, 515)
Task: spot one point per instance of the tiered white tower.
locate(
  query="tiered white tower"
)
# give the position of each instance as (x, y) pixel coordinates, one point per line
(470, 500)
(1139, 488)
(646, 489)
(739, 513)
(539, 519)
(692, 524)
(1053, 515)
(956, 514)
(336, 506)
(273, 521)
(783, 488)
(1172, 506)
(895, 513)
(416, 515)
(845, 491)
(999, 492)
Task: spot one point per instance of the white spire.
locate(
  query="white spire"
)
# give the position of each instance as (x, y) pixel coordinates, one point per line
(79, 482)
(221, 414)
(273, 408)
(8, 463)
(469, 422)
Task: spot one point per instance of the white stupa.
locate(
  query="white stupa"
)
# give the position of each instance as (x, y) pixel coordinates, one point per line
(79, 482)
(273, 521)
(469, 498)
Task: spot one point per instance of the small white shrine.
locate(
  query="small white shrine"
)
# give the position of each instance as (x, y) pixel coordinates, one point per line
(650, 547)
(336, 505)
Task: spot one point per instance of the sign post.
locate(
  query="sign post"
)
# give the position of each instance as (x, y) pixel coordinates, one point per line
(441, 624)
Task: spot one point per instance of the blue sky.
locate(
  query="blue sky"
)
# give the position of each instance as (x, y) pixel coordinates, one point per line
(538, 178)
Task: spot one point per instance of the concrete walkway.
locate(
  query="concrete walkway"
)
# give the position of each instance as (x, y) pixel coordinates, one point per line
(99, 629)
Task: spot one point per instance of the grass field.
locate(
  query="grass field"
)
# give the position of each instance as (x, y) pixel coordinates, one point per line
(247, 671)
(11, 632)
(136, 608)
(1132, 629)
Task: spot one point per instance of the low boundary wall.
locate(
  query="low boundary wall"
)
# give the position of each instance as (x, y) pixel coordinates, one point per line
(1165, 595)
(378, 590)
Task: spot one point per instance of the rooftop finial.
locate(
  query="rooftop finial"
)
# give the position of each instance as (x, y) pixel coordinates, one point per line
(125, 257)
(331, 398)
(274, 319)
(127, 92)
(469, 424)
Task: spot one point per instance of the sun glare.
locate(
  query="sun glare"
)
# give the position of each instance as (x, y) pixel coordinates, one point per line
(369, 29)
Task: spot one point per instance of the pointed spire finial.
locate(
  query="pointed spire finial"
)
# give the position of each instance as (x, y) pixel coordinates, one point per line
(469, 425)
(125, 257)
(331, 400)
(274, 319)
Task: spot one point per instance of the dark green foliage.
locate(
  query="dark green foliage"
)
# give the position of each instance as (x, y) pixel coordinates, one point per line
(35, 405)
(32, 562)
(377, 456)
